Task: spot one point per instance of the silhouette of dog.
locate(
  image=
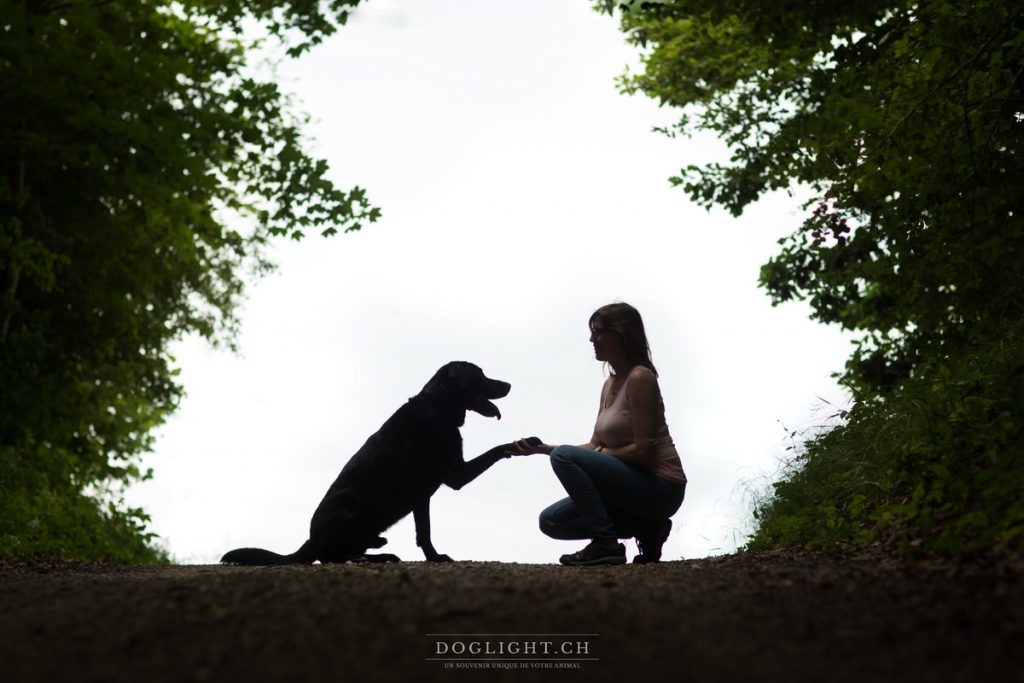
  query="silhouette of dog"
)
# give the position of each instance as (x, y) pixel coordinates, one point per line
(396, 472)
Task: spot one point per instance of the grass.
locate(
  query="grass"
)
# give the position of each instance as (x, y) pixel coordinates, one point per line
(937, 466)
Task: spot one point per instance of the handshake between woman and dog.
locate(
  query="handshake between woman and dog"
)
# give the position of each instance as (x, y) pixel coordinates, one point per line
(396, 472)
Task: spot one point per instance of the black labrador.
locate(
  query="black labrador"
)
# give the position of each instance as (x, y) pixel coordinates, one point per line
(396, 472)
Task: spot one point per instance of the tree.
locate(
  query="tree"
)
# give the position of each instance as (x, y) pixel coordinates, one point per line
(906, 120)
(904, 117)
(143, 172)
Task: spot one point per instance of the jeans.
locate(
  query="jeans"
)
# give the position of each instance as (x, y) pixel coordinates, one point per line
(608, 497)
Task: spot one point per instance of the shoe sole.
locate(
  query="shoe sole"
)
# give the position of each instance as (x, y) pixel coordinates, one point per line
(595, 561)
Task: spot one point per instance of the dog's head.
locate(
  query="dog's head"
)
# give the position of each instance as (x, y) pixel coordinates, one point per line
(465, 386)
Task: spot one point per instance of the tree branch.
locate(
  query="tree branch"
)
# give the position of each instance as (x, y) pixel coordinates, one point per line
(15, 270)
(953, 74)
(69, 5)
(15, 277)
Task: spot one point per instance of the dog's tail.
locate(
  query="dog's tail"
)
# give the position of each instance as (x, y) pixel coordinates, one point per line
(259, 556)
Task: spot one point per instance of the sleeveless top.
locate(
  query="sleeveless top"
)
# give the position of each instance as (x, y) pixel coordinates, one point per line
(614, 429)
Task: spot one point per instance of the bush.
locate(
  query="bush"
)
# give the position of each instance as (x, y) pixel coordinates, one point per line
(50, 518)
(938, 465)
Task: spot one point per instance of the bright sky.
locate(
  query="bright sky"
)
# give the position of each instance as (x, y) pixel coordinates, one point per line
(520, 192)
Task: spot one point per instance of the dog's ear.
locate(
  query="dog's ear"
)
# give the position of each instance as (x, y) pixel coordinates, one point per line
(437, 383)
(449, 380)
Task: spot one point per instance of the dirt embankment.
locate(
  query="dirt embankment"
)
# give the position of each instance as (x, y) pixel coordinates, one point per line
(767, 616)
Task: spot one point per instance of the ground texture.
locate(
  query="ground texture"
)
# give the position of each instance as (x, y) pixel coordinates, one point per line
(779, 616)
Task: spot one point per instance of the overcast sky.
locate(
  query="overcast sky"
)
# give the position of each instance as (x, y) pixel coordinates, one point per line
(520, 191)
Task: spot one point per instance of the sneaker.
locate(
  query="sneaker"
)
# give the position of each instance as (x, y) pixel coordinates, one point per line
(596, 553)
(650, 543)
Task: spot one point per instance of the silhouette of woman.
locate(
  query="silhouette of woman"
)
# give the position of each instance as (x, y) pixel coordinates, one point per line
(627, 481)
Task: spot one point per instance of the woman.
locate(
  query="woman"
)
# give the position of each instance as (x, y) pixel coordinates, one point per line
(627, 480)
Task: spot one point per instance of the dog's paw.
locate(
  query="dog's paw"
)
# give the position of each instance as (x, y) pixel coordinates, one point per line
(378, 542)
(439, 557)
(376, 557)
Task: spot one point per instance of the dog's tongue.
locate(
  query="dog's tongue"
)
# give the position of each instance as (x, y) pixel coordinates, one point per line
(486, 408)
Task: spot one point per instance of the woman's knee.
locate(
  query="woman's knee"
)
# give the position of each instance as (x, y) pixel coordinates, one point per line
(546, 522)
(553, 519)
(551, 524)
(558, 458)
(561, 453)
(566, 455)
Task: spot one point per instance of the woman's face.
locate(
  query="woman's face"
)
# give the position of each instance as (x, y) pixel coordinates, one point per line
(607, 342)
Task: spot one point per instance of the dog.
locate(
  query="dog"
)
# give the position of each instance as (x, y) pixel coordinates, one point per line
(396, 472)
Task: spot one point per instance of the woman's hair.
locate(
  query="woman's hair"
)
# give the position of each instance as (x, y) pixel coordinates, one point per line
(625, 320)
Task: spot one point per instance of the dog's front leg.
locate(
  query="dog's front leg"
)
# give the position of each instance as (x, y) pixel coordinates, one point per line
(421, 515)
(461, 473)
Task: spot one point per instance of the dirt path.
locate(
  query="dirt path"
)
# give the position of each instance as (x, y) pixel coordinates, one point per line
(767, 616)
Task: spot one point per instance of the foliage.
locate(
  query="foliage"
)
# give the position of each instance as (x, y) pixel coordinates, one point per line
(52, 518)
(904, 116)
(938, 465)
(143, 172)
(906, 121)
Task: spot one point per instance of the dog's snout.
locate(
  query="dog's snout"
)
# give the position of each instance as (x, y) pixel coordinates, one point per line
(498, 389)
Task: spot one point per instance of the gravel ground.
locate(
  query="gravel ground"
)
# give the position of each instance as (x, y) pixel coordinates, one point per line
(779, 616)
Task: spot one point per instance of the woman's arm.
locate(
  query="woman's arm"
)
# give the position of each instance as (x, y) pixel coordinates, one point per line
(630, 453)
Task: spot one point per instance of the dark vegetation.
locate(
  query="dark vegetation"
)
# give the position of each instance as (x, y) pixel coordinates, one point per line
(142, 173)
(906, 120)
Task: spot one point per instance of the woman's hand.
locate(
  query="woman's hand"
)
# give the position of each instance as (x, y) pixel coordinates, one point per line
(529, 446)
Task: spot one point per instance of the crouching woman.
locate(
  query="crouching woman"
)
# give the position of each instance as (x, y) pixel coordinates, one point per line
(627, 481)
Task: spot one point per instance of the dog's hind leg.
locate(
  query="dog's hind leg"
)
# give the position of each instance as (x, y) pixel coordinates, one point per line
(360, 557)
(352, 547)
